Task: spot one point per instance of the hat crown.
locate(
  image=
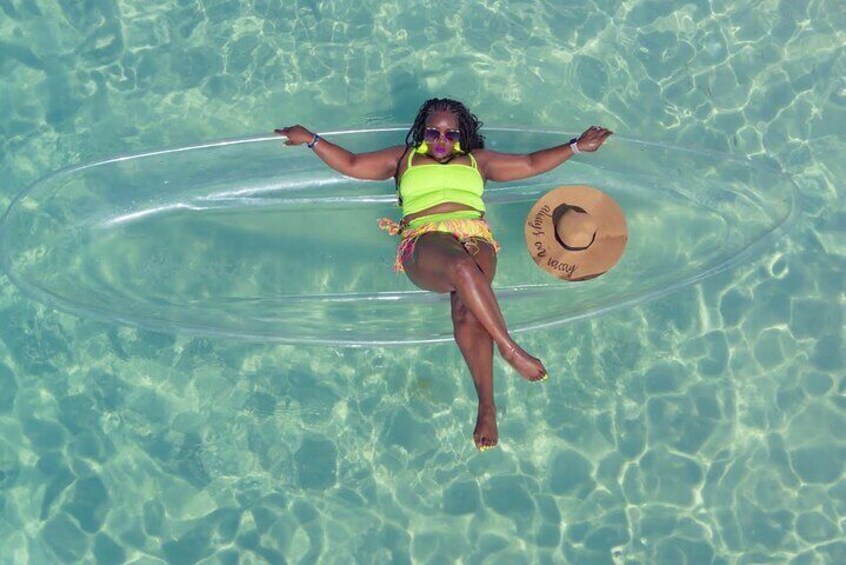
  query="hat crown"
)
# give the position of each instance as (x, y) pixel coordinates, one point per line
(575, 229)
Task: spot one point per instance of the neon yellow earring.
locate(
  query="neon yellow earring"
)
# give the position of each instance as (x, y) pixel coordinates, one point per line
(423, 148)
(457, 147)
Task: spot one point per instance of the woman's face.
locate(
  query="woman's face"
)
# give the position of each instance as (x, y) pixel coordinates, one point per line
(446, 124)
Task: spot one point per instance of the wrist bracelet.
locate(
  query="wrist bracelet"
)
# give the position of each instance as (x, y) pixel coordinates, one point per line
(314, 141)
(574, 145)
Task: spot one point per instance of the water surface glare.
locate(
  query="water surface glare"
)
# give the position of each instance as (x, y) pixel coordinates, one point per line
(704, 426)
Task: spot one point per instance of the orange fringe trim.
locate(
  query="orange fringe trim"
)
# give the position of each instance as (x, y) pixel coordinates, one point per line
(464, 229)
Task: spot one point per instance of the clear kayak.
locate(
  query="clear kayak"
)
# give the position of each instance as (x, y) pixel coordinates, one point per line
(249, 239)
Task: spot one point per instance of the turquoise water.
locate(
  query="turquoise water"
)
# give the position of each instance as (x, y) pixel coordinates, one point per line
(707, 426)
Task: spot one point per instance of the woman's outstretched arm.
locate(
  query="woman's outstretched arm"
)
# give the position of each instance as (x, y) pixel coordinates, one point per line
(508, 166)
(376, 165)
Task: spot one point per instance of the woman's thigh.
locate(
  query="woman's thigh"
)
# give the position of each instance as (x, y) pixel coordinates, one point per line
(437, 253)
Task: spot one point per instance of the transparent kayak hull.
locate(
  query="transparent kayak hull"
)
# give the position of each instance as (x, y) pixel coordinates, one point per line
(249, 239)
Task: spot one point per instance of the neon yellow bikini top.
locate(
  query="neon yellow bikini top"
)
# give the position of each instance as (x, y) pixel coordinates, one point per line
(424, 186)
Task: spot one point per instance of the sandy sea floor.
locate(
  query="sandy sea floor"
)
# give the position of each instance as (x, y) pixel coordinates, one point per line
(708, 425)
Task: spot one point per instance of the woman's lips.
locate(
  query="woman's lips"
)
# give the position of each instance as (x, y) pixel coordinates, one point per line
(440, 150)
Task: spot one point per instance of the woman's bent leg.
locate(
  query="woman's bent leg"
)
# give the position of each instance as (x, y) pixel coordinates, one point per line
(441, 264)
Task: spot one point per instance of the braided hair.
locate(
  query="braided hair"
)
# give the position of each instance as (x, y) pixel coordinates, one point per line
(468, 123)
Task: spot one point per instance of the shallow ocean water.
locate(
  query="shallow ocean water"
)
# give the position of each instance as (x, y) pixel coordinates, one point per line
(707, 426)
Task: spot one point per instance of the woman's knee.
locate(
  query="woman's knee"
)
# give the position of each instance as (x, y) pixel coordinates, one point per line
(463, 267)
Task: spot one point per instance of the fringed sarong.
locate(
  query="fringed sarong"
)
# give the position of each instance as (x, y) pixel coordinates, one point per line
(465, 225)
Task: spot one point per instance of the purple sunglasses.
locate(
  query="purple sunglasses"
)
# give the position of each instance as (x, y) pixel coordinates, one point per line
(431, 135)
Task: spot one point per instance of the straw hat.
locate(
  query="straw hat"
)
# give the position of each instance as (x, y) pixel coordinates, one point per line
(576, 232)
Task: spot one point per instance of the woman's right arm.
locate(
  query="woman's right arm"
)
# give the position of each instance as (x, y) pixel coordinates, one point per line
(376, 165)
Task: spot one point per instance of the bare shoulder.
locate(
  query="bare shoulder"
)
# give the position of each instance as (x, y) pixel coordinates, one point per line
(482, 156)
(390, 155)
(493, 163)
(394, 155)
(487, 156)
(393, 152)
(385, 155)
(376, 165)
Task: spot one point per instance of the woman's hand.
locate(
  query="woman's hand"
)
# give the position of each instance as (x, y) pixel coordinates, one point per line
(297, 135)
(593, 138)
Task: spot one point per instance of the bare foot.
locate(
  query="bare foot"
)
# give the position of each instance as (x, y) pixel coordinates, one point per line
(486, 435)
(530, 368)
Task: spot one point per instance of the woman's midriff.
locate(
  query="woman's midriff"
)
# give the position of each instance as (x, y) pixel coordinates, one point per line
(437, 209)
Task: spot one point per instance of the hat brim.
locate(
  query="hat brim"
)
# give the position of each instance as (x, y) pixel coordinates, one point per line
(606, 248)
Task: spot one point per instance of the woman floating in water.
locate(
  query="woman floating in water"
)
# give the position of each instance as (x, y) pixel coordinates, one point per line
(446, 244)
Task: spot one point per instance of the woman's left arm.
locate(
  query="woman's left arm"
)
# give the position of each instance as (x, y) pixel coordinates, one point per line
(508, 166)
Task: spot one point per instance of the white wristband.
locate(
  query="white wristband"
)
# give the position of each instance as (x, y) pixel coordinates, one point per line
(574, 146)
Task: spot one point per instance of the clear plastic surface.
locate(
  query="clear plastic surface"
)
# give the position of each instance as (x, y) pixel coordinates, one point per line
(250, 239)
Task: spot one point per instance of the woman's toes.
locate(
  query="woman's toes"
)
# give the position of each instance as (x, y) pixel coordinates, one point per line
(541, 377)
(485, 445)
